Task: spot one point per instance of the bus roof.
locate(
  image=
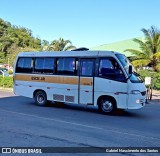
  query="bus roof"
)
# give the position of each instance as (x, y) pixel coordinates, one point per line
(68, 53)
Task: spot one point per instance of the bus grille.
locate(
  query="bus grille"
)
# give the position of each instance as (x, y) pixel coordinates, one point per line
(69, 98)
(58, 97)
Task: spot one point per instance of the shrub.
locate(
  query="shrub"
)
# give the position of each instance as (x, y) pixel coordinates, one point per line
(154, 75)
(10, 72)
(6, 82)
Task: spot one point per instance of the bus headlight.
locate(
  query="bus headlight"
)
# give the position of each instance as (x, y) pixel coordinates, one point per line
(135, 92)
(141, 101)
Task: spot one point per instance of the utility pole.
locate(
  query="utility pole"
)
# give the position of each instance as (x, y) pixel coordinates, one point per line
(8, 66)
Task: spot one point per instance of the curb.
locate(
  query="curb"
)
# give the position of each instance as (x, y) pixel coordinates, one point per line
(6, 89)
(153, 101)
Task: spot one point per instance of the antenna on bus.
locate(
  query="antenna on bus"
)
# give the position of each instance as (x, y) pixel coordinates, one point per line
(80, 49)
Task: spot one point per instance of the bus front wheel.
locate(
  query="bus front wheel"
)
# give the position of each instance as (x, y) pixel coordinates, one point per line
(40, 98)
(107, 105)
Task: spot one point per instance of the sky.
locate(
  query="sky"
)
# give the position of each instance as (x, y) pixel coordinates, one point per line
(86, 23)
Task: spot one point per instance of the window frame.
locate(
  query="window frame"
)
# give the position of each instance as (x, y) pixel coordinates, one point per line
(93, 67)
(101, 76)
(43, 70)
(32, 65)
(75, 73)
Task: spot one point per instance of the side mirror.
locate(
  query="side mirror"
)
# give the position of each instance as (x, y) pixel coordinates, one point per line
(130, 70)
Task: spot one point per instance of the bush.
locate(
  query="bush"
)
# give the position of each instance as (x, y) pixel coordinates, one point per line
(10, 72)
(154, 75)
(6, 82)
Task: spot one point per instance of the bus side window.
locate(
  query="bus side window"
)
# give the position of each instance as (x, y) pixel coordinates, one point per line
(38, 65)
(87, 67)
(24, 65)
(60, 66)
(49, 65)
(66, 66)
(28, 65)
(44, 65)
(109, 68)
(19, 66)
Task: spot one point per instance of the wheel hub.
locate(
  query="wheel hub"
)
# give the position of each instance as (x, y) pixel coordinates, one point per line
(107, 106)
(40, 98)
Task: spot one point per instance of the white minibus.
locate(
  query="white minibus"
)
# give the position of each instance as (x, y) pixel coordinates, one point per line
(99, 78)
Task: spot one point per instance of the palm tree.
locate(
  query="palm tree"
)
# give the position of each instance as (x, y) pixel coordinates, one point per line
(45, 45)
(149, 49)
(61, 45)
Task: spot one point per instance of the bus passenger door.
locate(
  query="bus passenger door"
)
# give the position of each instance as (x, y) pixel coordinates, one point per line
(86, 81)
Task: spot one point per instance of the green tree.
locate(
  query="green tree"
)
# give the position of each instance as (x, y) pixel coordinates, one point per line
(60, 45)
(149, 49)
(14, 39)
(45, 45)
(2, 57)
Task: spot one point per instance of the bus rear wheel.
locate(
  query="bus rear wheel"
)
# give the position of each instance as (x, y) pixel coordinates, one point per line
(40, 98)
(107, 105)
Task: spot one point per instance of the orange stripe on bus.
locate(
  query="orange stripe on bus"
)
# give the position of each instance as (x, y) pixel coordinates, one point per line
(54, 79)
(86, 81)
(47, 79)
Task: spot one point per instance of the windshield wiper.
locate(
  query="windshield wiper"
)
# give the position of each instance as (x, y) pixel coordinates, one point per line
(139, 76)
(136, 73)
(128, 77)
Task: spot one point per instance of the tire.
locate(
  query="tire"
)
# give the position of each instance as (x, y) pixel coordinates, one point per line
(107, 105)
(40, 98)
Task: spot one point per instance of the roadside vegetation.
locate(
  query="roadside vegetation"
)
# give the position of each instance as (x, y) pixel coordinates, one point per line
(149, 53)
(147, 60)
(155, 76)
(6, 82)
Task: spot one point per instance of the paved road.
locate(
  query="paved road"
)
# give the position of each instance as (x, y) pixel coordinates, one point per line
(24, 124)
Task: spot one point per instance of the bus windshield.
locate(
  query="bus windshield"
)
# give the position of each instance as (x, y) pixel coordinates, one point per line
(134, 78)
